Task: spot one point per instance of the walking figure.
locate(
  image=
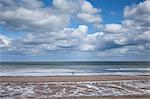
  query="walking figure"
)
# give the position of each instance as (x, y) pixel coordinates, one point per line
(72, 73)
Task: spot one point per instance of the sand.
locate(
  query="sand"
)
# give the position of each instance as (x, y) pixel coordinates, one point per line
(70, 78)
(75, 87)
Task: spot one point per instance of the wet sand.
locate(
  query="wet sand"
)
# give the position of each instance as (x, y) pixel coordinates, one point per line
(69, 78)
(75, 87)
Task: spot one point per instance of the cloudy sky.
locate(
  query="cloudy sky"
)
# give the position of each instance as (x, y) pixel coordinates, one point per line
(70, 30)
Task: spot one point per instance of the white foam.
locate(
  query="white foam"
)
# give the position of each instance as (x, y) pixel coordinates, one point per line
(36, 72)
(142, 69)
(68, 72)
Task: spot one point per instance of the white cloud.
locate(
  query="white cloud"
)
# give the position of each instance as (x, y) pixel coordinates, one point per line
(33, 20)
(66, 39)
(83, 28)
(29, 4)
(87, 7)
(47, 28)
(89, 14)
(89, 18)
(132, 35)
(140, 12)
(31, 16)
(81, 9)
(4, 41)
(144, 36)
(87, 47)
(113, 28)
(67, 6)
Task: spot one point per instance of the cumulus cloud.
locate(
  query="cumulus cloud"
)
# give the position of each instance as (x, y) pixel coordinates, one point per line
(89, 18)
(82, 9)
(4, 41)
(47, 28)
(31, 16)
(33, 20)
(64, 40)
(89, 14)
(30, 4)
(140, 13)
(114, 28)
(131, 36)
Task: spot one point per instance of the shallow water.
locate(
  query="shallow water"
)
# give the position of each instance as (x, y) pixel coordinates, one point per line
(76, 68)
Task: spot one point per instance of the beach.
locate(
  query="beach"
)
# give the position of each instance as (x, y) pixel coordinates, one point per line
(75, 87)
(70, 78)
(74, 49)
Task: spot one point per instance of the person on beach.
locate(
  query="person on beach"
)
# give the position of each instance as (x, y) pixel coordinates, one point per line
(72, 73)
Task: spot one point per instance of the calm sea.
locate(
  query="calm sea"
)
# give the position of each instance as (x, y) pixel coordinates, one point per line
(76, 68)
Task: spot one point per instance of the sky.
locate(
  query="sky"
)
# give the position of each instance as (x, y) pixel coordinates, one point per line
(74, 30)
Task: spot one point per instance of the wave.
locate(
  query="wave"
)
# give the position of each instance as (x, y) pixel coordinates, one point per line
(43, 73)
(133, 69)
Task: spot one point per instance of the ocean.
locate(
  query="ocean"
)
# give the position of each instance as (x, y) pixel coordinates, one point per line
(73, 68)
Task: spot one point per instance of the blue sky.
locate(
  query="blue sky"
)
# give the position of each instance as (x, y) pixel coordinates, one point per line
(74, 30)
(113, 9)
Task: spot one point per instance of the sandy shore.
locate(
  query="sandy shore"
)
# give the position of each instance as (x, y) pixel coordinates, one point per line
(70, 78)
(77, 87)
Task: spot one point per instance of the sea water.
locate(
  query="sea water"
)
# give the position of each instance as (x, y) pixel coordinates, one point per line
(73, 68)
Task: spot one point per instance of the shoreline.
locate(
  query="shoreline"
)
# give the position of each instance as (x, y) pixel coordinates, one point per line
(71, 78)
